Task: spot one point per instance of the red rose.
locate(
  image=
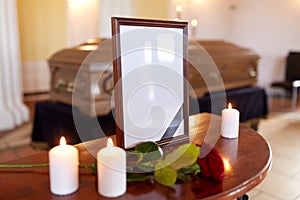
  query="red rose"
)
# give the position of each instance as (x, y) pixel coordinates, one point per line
(210, 162)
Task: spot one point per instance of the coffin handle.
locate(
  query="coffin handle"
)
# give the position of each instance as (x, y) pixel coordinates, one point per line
(106, 84)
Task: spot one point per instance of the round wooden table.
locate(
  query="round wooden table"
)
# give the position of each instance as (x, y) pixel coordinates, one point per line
(247, 161)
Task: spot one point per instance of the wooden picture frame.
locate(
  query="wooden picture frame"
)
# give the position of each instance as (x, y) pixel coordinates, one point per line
(150, 79)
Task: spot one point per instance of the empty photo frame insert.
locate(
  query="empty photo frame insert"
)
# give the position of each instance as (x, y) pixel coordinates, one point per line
(150, 79)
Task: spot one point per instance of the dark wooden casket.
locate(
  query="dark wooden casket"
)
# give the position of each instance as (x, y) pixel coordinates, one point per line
(92, 86)
(236, 66)
(83, 75)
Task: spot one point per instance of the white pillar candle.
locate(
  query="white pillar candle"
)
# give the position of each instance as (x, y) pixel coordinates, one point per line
(230, 122)
(111, 169)
(63, 163)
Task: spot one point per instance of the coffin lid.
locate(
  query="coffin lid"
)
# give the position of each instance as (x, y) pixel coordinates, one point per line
(101, 52)
(90, 49)
(219, 49)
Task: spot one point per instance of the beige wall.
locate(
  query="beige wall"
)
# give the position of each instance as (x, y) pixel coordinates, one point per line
(42, 25)
(43, 31)
(47, 26)
(152, 8)
(129, 8)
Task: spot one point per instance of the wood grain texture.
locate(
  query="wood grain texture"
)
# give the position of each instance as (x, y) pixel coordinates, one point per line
(249, 159)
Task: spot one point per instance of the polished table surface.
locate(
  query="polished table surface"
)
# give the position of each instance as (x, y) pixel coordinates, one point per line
(247, 161)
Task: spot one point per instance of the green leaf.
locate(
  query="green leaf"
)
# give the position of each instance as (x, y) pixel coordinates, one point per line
(145, 167)
(138, 154)
(138, 177)
(181, 176)
(164, 174)
(186, 155)
(150, 151)
(196, 168)
(146, 147)
(193, 169)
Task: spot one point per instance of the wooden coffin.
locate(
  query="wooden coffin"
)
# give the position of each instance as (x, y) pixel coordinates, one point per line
(91, 88)
(235, 66)
(80, 77)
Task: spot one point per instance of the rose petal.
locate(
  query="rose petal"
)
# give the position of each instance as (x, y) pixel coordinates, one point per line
(212, 164)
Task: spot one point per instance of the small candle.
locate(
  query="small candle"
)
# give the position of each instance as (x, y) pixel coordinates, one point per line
(178, 8)
(63, 164)
(111, 168)
(194, 23)
(230, 122)
(178, 11)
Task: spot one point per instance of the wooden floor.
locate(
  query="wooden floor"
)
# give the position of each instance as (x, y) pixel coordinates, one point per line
(19, 145)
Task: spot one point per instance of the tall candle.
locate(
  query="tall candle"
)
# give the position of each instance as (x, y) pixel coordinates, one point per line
(63, 163)
(111, 168)
(230, 122)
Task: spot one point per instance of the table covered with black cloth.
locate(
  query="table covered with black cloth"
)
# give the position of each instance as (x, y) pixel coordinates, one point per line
(250, 101)
(52, 119)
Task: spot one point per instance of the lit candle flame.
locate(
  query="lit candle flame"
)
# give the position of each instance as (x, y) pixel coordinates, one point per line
(63, 141)
(229, 106)
(109, 143)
